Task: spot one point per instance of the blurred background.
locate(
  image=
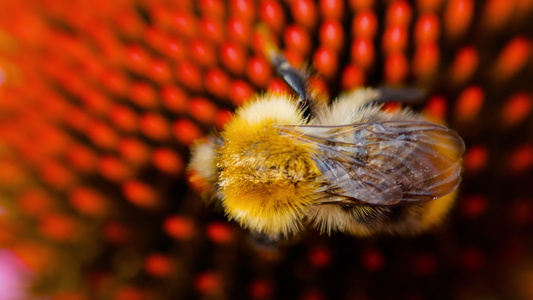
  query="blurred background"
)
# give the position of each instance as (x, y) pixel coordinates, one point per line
(99, 101)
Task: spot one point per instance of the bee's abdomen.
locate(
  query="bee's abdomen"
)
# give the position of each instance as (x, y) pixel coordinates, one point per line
(401, 219)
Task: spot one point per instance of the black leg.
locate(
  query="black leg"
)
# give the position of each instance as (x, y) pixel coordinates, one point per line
(409, 96)
(296, 79)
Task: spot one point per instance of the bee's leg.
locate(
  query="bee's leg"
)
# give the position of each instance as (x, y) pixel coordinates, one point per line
(263, 241)
(295, 78)
(409, 96)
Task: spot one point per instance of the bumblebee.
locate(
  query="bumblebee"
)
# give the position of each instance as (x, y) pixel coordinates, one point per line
(286, 162)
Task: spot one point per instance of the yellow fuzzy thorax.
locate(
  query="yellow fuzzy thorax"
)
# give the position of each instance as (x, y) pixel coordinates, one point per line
(266, 178)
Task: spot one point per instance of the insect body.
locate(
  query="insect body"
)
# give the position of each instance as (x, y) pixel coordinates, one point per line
(348, 166)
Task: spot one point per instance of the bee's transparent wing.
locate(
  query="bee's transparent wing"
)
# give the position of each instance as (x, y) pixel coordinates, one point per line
(384, 163)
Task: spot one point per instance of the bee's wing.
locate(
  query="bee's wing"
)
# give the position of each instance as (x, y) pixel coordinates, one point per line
(386, 163)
